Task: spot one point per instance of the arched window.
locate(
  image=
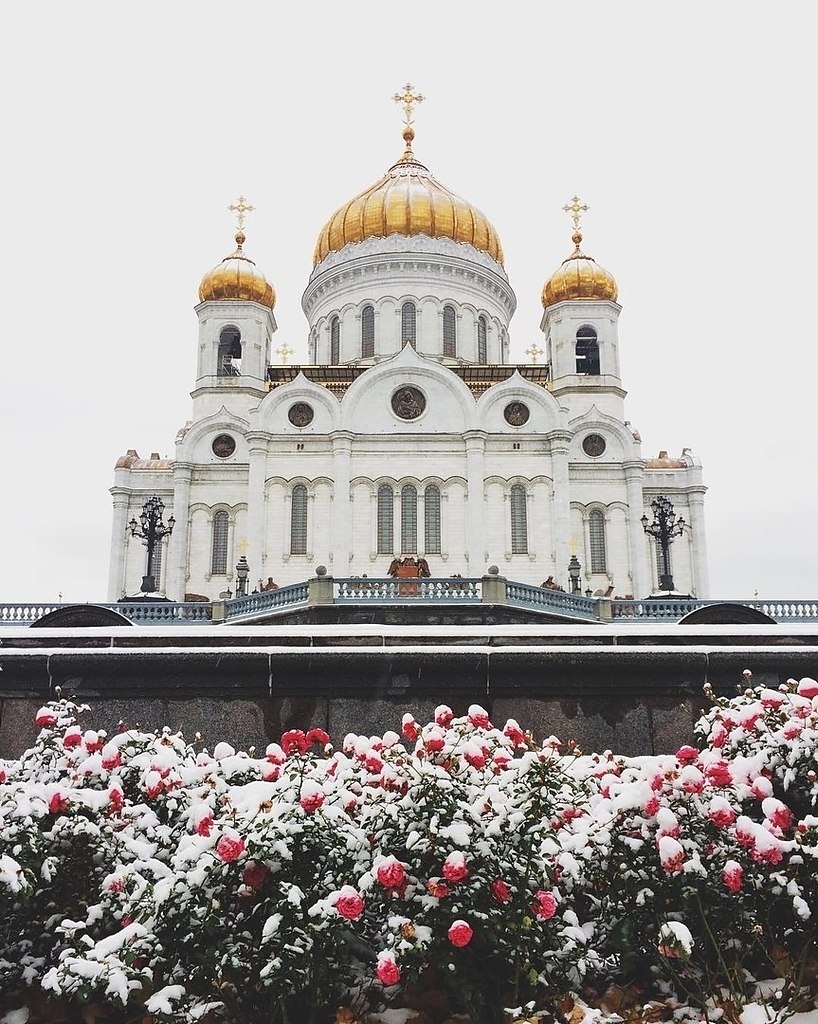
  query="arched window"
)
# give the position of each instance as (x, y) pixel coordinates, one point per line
(334, 340)
(482, 340)
(408, 324)
(229, 361)
(519, 521)
(432, 517)
(449, 332)
(367, 331)
(386, 522)
(587, 351)
(596, 535)
(298, 521)
(218, 556)
(408, 519)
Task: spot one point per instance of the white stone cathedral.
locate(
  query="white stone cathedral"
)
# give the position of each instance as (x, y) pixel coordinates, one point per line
(409, 432)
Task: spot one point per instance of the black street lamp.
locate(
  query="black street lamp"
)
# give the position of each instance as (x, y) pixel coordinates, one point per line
(665, 526)
(242, 574)
(151, 529)
(574, 569)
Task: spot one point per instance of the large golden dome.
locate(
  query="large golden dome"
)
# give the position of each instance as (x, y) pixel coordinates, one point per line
(408, 200)
(579, 277)
(237, 277)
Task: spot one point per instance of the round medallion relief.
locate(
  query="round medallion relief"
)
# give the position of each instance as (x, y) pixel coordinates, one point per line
(223, 446)
(516, 413)
(593, 445)
(300, 414)
(408, 402)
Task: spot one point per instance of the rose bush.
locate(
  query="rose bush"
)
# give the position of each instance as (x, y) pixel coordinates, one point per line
(150, 877)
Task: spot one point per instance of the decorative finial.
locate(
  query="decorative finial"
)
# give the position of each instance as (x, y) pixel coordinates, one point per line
(576, 208)
(534, 352)
(285, 352)
(240, 208)
(408, 98)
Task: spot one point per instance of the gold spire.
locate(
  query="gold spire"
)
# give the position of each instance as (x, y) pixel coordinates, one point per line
(580, 276)
(240, 207)
(408, 98)
(576, 208)
(237, 276)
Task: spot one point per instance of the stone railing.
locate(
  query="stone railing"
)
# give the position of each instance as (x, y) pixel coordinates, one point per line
(263, 601)
(390, 591)
(673, 609)
(558, 601)
(140, 612)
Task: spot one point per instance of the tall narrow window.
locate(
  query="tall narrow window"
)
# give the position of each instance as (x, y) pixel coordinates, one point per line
(409, 519)
(386, 522)
(335, 340)
(229, 360)
(298, 521)
(596, 531)
(218, 557)
(519, 521)
(587, 351)
(482, 340)
(408, 324)
(432, 516)
(449, 332)
(367, 332)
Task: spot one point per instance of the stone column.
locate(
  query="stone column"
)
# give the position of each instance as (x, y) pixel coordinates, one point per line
(475, 476)
(178, 546)
(116, 568)
(341, 525)
(559, 441)
(257, 478)
(640, 571)
(701, 577)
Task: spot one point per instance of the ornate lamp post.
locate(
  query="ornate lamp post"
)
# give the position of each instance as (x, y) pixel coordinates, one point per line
(665, 527)
(573, 574)
(151, 529)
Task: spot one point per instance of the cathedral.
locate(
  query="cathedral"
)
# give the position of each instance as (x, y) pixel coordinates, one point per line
(409, 436)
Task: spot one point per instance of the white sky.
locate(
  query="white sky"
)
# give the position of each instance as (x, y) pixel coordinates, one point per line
(128, 130)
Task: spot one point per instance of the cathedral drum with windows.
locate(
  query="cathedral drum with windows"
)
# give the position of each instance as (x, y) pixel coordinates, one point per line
(408, 431)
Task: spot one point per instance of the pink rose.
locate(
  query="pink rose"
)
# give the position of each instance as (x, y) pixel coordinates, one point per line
(671, 854)
(230, 847)
(733, 875)
(687, 754)
(391, 873)
(545, 906)
(479, 717)
(350, 905)
(500, 891)
(761, 787)
(719, 773)
(460, 934)
(777, 812)
(808, 688)
(437, 887)
(454, 867)
(311, 801)
(652, 806)
(387, 970)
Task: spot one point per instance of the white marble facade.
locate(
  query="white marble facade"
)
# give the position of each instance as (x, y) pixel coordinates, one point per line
(407, 432)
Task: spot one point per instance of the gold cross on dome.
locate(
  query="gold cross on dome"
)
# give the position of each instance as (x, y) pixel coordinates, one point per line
(240, 208)
(576, 208)
(408, 98)
(285, 352)
(534, 352)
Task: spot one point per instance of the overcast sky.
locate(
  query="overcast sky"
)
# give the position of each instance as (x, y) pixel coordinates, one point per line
(129, 129)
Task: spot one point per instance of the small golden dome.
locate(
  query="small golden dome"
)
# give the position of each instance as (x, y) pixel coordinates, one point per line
(237, 277)
(408, 200)
(579, 277)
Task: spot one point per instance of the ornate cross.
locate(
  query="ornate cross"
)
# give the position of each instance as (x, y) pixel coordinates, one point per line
(285, 352)
(240, 208)
(534, 352)
(576, 208)
(408, 98)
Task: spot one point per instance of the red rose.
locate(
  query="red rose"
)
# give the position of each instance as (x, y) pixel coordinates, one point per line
(545, 906)
(294, 740)
(808, 688)
(254, 874)
(72, 738)
(111, 760)
(500, 891)
(350, 905)
(115, 799)
(460, 934)
(58, 803)
(454, 867)
(230, 848)
(435, 739)
(687, 754)
(387, 970)
(719, 773)
(514, 733)
(45, 718)
(443, 715)
(437, 887)
(204, 825)
(391, 873)
(312, 801)
(409, 727)
(479, 717)
(733, 875)
(317, 736)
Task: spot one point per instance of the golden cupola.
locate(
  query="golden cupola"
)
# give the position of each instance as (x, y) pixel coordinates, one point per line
(237, 277)
(408, 200)
(579, 276)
